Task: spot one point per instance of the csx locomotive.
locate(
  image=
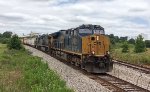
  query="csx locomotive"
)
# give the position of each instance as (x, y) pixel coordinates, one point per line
(85, 46)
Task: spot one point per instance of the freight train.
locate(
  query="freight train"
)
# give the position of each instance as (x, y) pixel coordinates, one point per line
(86, 46)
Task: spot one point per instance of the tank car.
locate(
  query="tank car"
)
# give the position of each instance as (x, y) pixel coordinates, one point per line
(85, 46)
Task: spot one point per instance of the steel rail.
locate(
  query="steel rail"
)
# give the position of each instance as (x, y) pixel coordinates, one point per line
(133, 66)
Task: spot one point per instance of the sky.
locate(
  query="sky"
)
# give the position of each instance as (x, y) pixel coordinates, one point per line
(119, 17)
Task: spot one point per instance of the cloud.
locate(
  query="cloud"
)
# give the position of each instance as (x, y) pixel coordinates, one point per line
(120, 17)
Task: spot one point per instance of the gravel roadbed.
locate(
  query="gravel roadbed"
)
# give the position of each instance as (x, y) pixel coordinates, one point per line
(130, 75)
(74, 79)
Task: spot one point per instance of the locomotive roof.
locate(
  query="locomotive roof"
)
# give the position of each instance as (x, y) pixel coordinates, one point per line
(90, 26)
(56, 34)
(62, 30)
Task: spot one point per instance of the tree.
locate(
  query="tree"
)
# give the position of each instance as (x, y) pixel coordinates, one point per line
(116, 38)
(147, 43)
(112, 38)
(125, 47)
(131, 41)
(139, 45)
(123, 39)
(111, 35)
(7, 34)
(15, 43)
(1, 35)
(112, 41)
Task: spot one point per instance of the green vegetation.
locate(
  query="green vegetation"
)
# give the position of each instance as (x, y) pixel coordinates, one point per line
(132, 51)
(21, 72)
(12, 41)
(5, 37)
(15, 43)
(147, 43)
(131, 41)
(125, 47)
(130, 56)
(7, 34)
(139, 45)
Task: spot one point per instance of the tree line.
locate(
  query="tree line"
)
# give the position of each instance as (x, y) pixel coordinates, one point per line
(139, 43)
(5, 37)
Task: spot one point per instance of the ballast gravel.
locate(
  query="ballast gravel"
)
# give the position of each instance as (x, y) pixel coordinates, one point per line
(131, 75)
(74, 79)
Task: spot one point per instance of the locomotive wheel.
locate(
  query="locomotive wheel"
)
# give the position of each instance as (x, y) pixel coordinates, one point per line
(72, 62)
(82, 65)
(76, 63)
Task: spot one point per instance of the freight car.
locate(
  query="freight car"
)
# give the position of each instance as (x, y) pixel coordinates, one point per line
(29, 40)
(85, 46)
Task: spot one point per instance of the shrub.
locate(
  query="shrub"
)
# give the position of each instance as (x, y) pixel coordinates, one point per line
(139, 45)
(125, 47)
(4, 40)
(15, 43)
(131, 41)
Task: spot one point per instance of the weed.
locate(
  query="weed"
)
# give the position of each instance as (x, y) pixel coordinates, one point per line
(131, 56)
(21, 72)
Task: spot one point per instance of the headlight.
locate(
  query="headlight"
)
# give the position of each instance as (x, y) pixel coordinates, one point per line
(93, 52)
(108, 52)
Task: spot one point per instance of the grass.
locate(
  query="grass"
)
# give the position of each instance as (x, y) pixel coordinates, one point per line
(131, 57)
(21, 72)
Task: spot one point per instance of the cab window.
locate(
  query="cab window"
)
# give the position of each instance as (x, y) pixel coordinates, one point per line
(85, 31)
(98, 31)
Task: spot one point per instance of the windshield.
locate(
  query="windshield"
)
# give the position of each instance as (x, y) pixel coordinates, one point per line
(98, 31)
(85, 31)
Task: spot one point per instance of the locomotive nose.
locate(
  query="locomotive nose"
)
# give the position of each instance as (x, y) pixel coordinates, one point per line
(95, 45)
(98, 45)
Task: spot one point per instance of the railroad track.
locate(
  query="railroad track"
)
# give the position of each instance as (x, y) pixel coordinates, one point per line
(117, 85)
(113, 83)
(133, 66)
